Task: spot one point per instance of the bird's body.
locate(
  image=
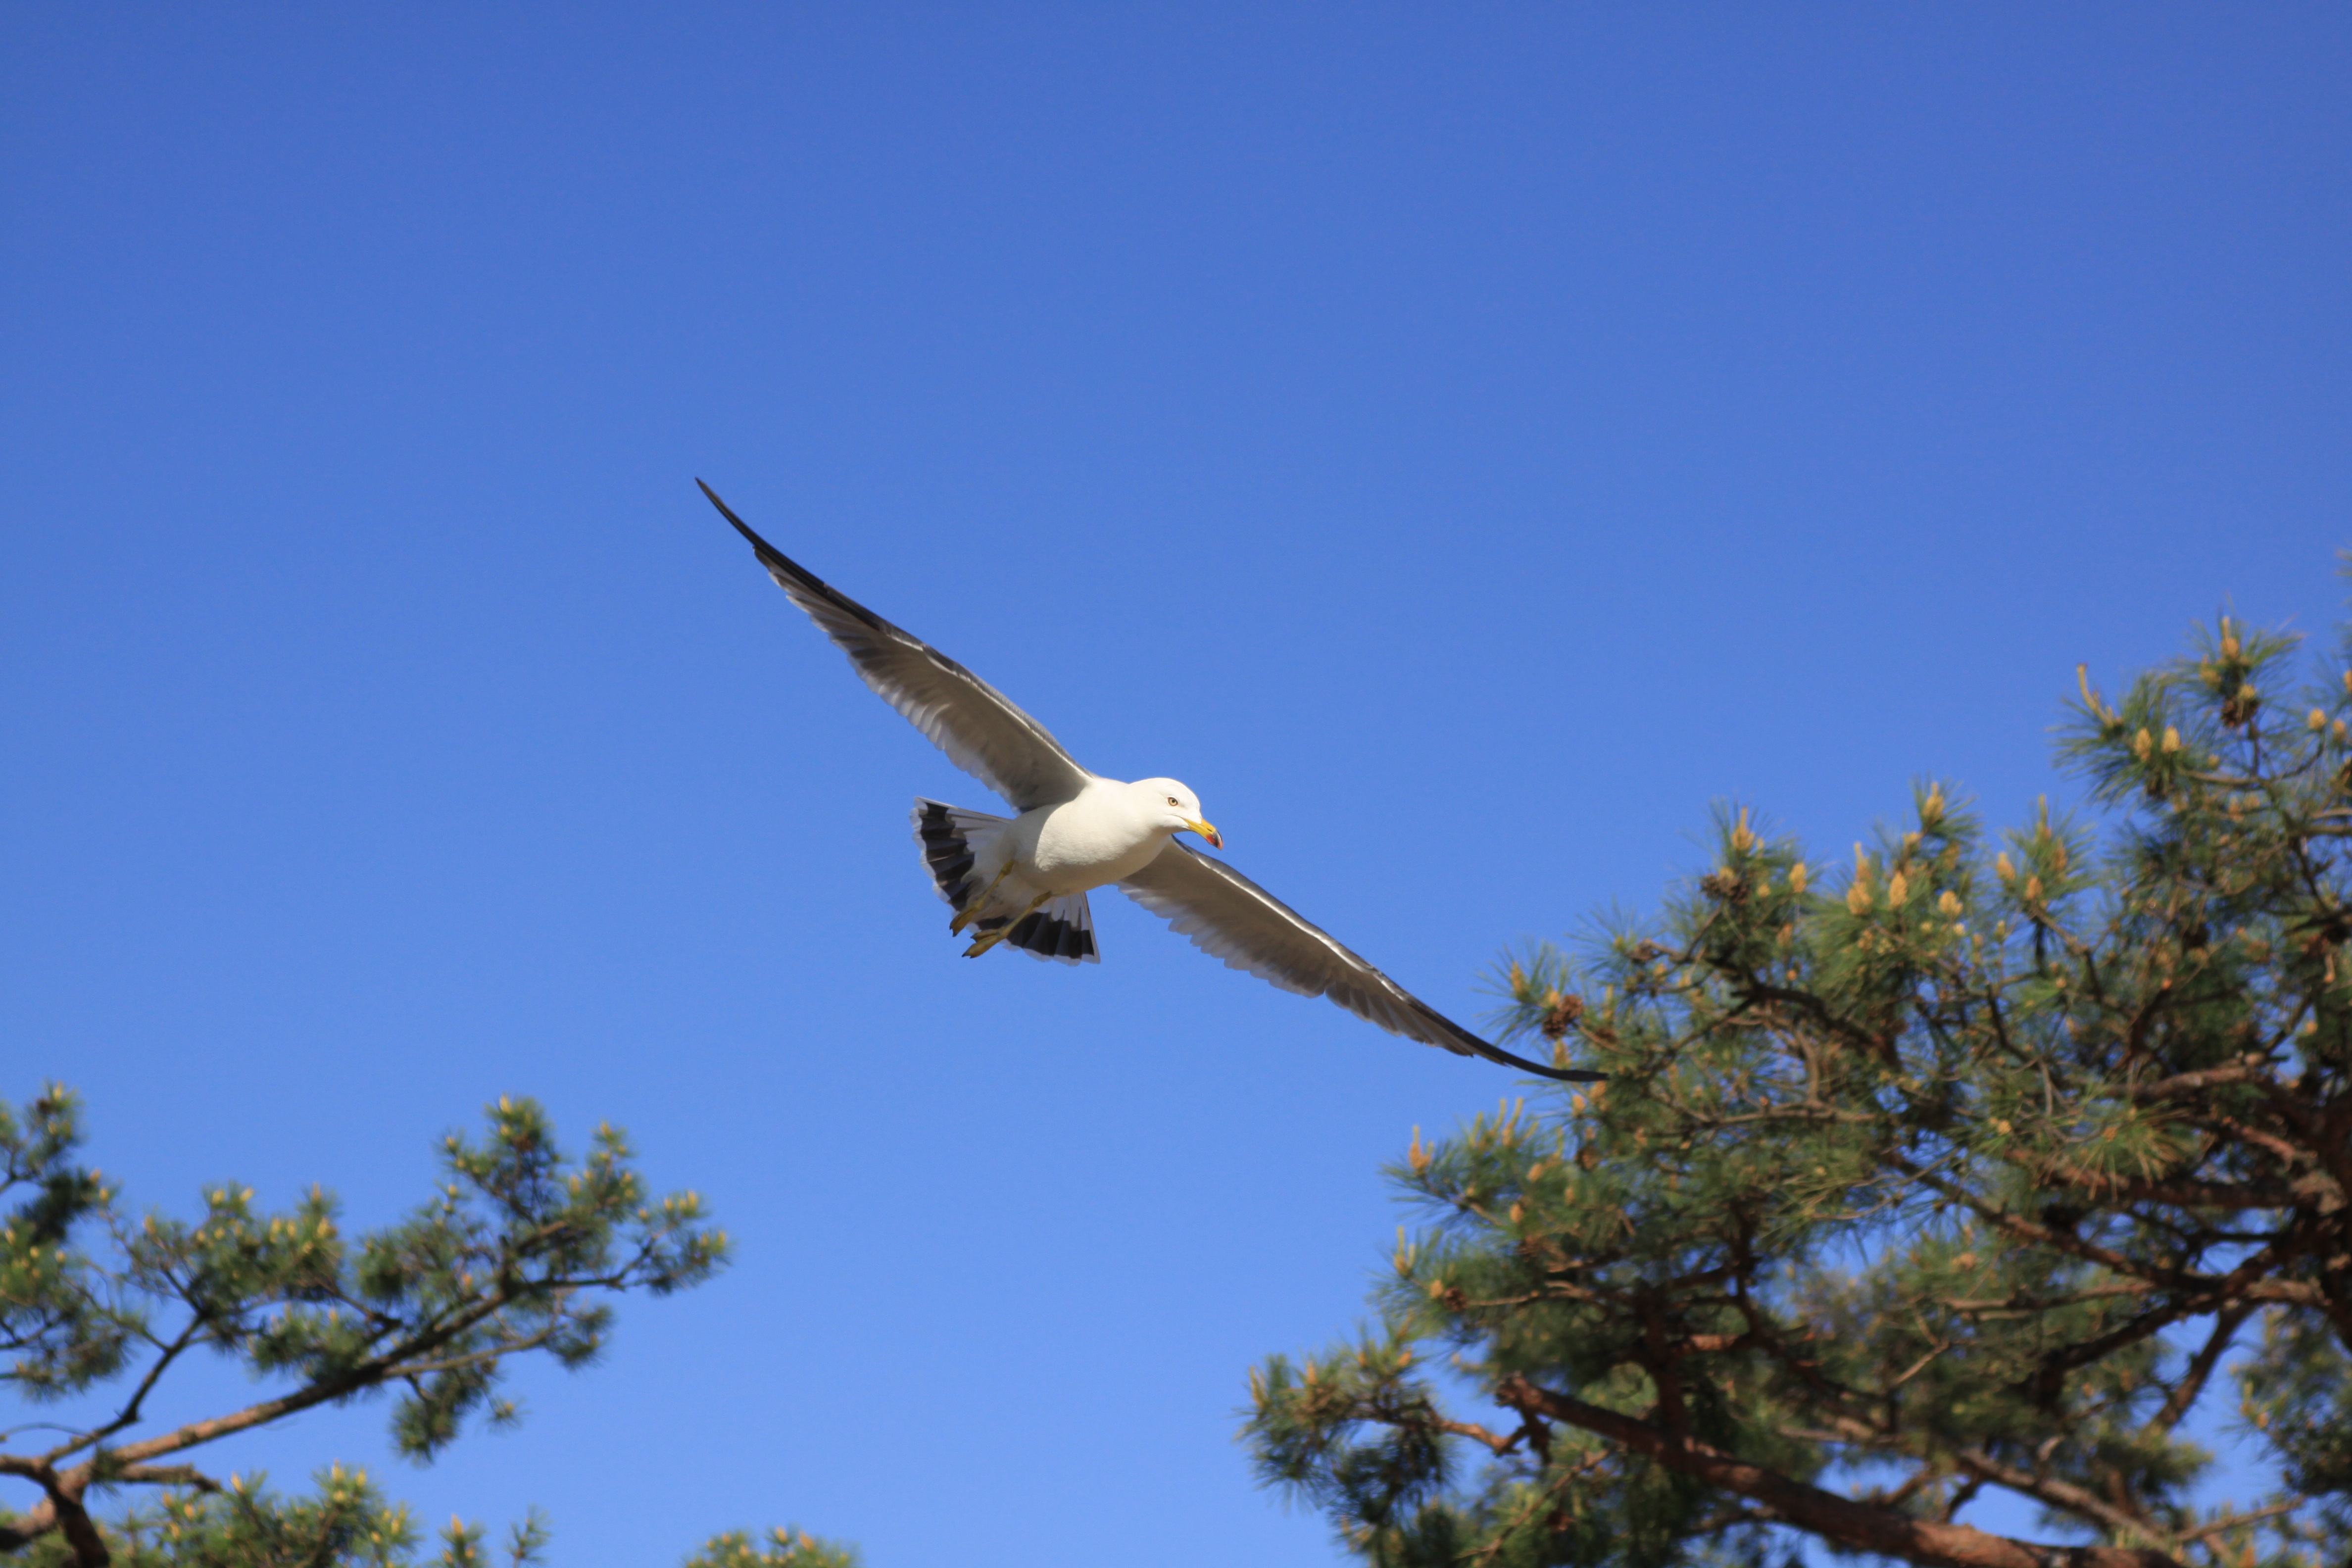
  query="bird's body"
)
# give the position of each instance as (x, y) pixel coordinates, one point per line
(1104, 834)
(1022, 880)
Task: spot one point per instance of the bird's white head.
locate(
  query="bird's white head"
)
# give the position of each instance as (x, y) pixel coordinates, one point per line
(1169, 804)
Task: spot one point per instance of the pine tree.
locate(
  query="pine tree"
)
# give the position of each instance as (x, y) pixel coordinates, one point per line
(518, 1253)
(1967, 1166)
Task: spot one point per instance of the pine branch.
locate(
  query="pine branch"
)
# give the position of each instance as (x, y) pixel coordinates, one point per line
(1861, 1526)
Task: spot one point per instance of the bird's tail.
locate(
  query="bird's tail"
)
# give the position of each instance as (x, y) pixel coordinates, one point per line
(954, 841)
(1063, 929)
(947, 834)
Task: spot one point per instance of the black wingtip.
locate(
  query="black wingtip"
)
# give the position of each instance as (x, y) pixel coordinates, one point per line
(1463, 1042)
(758, 543)
(781, 565)
(1557, 1074)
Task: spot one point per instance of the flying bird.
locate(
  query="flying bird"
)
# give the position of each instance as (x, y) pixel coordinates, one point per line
(1022, 880)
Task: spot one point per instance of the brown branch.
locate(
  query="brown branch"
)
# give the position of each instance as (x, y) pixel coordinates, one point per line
(166, 1475)
(1813, 1008)
(2286, 1153)
(1540, 1500)
(1962, 1495)
(2024, 1305)
(2231, 1522)
(129, 1415)
(2058, 1494)
(1476, 1433)
(2193, 1381)
(2026, 1230)
(2190, 1082)
(28, 1527)
(2180, 1192)
(1766, 1334)
(1655, 1360)
(398, 1363)
(2325, 1132)
(1916, 1367)
(1862, 1526)
(2049, 1378)
(79, 1530)
(252, 1416)
(1732, 1519)
(61, 1509)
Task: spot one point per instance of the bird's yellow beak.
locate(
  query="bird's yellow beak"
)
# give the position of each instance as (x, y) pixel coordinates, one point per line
(1208, 832)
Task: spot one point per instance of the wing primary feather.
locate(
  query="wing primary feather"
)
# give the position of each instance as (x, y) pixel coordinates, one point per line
(1494, 1053)
(775, 560)
(978, 727)
(1230, 917)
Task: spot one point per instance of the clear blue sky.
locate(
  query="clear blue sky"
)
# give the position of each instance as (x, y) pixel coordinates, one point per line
(1462, 442)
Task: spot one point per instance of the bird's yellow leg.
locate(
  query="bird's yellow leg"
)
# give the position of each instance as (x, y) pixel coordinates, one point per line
(1001, 932)
(972, 907)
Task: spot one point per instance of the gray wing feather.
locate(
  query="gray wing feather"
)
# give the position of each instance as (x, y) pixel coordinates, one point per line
(1231, 918)
(975, 724)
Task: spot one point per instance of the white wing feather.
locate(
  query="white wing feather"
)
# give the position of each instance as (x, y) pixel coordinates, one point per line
(1230, 917)
(975, 724)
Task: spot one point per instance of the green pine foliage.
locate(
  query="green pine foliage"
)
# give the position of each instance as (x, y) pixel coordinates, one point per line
(1973, 1164)
(520, 1251)
(785, 1548)
(345, 1520)
(61, 1336)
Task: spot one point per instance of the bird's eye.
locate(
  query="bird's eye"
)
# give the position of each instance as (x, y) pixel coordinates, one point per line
(1172, 800)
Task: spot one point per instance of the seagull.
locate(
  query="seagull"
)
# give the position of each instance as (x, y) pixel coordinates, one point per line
(1022, 880)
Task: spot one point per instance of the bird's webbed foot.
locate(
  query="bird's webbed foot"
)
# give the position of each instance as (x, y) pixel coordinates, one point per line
(996, 928)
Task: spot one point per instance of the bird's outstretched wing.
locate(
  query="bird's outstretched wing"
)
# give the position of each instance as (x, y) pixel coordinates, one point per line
(1230, 917)
(979, 729)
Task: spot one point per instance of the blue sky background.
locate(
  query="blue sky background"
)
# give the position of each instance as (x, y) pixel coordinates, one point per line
(1461, 442)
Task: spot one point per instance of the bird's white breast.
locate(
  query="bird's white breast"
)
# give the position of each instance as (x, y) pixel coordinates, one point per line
(1099, 839)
